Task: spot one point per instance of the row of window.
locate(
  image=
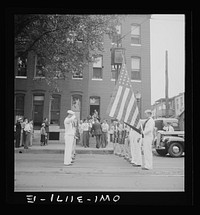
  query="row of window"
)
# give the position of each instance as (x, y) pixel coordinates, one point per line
(97, 69)
(55, 106)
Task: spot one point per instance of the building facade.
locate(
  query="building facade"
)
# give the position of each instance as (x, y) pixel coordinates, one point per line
(176, 106)
(92, 89)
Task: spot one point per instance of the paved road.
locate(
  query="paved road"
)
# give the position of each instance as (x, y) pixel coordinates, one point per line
(95, 172)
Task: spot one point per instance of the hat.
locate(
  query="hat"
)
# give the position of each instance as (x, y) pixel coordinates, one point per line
(148, 111)
(70, 112)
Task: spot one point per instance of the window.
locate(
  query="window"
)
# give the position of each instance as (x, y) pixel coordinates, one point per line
(135, 34)
(116, 38)
(77, 75)
(113, 72)
(39, 71)
(135, 68)
(22, 66)
(55, 110)
(19, 105)
(97, 68)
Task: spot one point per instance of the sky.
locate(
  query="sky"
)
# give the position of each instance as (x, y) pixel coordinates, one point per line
(167, 32)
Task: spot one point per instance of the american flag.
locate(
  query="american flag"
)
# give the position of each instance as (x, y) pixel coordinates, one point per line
(123, 104)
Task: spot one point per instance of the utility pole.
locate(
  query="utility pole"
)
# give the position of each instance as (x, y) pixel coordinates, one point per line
(166, 85)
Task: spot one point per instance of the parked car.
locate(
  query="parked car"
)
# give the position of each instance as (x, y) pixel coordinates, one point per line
(170, 142)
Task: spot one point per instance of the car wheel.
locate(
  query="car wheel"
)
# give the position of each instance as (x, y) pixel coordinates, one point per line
(175, 149)
(162, 152)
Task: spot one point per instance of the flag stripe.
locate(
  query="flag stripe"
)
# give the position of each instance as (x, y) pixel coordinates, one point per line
(116, 100)
(126, 104)
(134, 116)
(125, 95)
(130, 105)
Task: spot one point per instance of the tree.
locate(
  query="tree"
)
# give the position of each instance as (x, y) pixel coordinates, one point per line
(64, 43)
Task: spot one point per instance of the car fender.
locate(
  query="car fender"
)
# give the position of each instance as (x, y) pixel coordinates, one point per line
(170, 139)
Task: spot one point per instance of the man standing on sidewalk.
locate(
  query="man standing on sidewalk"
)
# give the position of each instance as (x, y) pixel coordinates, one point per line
(96, 128)
(69, 136)
(148, 130)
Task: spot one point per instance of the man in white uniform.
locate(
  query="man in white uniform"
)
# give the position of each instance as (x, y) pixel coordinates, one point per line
(148, 130)
(135, 145)
(69, 136)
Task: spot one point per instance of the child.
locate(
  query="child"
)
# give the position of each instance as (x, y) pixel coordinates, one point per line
(43, 135)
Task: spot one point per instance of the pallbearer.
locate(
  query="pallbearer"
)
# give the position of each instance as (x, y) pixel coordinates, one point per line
(69, 136)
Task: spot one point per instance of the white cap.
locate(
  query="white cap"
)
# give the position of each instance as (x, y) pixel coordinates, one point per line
(71, 112)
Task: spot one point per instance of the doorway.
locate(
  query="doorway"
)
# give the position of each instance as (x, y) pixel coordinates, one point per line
(94, 105)
(38, 106)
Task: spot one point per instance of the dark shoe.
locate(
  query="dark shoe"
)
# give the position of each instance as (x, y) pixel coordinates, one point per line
(136, 165)
(144, 168)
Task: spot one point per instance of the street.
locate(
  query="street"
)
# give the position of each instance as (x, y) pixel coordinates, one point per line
(96, 172)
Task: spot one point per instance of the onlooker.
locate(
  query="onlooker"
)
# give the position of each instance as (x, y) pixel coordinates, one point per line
(80, 132)
(23, 132)
(112, 132)
(168, 127)
(105, 128)
(47, 130)
(18, 133)
(96, 128)
(27, 130)
(32, 132)
(85, 128)
(43, 135)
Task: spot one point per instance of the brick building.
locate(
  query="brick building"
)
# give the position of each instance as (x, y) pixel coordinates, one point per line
(90, 90)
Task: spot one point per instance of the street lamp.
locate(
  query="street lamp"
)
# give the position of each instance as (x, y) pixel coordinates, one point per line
(138, 98)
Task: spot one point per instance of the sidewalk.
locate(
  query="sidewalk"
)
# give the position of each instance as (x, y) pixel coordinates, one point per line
(57, 147)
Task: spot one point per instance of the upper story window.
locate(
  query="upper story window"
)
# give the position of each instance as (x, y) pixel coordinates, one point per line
(135, 34)
(135, 68)
(116, 38)
(39, 68)
(113, 72)
(77, 75)
(22, 66)
(97, 68)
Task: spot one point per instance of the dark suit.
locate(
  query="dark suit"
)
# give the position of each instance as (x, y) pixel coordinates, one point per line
(96, 129)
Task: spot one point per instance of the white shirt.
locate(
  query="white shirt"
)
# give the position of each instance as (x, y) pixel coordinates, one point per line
(105, 127)
(149, 127)
(85, 126)
(69, 128)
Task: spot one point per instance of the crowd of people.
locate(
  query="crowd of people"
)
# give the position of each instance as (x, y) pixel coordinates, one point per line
(24, 132)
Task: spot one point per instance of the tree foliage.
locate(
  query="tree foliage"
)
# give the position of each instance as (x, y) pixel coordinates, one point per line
(64, 43)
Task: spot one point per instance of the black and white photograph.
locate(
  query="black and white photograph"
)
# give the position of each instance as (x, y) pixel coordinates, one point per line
(99, 106)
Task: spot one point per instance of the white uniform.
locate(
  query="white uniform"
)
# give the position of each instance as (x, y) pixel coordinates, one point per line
(147, 143)
(69, 139)
(135, 144)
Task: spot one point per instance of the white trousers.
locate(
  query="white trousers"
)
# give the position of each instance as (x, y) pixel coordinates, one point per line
(69, 139)
(135, 145)
(147, 149)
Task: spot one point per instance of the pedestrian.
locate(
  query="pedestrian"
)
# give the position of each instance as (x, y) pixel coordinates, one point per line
(111, 132)
(105, 128)
(47, 130)
(115, 137)
(18, 133)
(97, 131)
(27, 130)
(80, 132)
(25, 121)
(43, 135)
(69, 136)
(85, 128)
(32, 132)
(148, 130)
